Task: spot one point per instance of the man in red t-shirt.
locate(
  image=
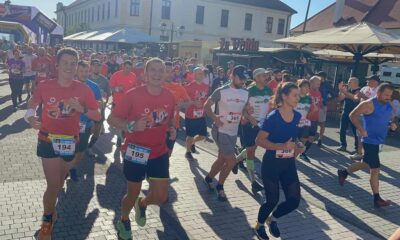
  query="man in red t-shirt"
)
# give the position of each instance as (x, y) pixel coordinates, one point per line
(63, 101)
(316, 104)
(42, 66)
(195, 119)
(146, 114)
(122, 81)
(276, 80)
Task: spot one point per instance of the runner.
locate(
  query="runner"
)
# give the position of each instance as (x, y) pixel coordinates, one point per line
(195, 119)
(278, 135)
(367, 92)
(85, 124)
(42, 66)
(327, 94)
(181, 100)
(373, 128)
(230, 102)
(16, 69)
(111, 65)
(259, 96)
(220, 80)
(348, 94)
(315, 94)
(277, 78)
(303, 107)
(63, 101)
(120, 83)
(29, 74)
(102, 82)
(146, 114)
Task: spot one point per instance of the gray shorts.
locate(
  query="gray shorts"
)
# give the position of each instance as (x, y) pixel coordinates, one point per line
(226, 143)
(322, 114)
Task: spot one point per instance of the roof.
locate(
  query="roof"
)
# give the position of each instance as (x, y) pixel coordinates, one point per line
(383, 13)
(123, 35)
(272, 4)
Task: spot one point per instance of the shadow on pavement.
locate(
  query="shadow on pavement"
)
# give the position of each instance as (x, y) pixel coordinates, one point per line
(234, 219)
(18, 126)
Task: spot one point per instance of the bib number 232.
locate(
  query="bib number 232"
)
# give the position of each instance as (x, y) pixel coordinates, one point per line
(137, 154)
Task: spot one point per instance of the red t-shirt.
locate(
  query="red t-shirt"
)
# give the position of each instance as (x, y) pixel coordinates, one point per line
(57, 117)
(42, 66)
(196, 92)
(138, 103)
(104, 70)
(126, 81)
(315, 106)
(273, 84)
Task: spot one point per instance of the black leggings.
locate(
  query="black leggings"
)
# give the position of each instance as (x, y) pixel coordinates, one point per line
(275, 171)
(16, 86)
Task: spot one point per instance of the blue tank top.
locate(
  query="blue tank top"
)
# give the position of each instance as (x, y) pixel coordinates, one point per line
(376, 123)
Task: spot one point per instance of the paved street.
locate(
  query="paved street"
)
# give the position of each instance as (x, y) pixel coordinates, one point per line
(88, 208)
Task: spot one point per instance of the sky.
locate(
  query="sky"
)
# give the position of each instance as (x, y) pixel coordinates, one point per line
(49, 6)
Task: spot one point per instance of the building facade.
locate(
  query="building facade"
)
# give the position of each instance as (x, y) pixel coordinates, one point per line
(182, 20)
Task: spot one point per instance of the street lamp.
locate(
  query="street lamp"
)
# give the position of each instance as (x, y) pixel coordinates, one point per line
(165, 32)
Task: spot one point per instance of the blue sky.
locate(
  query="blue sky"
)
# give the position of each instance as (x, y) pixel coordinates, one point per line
(49, 6)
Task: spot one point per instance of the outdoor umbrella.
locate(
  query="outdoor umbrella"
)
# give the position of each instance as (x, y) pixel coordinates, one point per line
(359, 39)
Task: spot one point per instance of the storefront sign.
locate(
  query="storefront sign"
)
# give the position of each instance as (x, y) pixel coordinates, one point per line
(239, 44)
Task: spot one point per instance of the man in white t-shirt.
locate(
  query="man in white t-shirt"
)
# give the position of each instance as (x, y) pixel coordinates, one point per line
(230, 102)
(366, 93)
(29, 74)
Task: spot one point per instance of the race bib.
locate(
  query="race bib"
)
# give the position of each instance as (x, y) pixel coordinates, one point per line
(233, 117)
(137, 154)
(284, 153)
(42, 74)
(305, 123)
(15, 71)
(82, 127)
(198, 113)
(63, 145)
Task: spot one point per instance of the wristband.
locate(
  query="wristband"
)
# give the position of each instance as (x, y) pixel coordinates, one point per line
(130, 126)
(29, 113)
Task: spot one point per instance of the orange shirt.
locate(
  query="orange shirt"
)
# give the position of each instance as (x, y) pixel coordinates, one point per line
(180, 95)
(125, 81)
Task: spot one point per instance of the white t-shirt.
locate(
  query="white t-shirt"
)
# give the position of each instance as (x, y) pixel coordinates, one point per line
(28, 59)
(229, 104)
(396, 108)
(369, 92)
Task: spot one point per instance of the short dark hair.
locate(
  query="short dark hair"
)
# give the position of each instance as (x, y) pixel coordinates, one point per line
(383, 86)
(302, 82)
(128, 62)
(286, 77)
(321, 74)
(67, 51)
(83, 64)
(276, 71)
(168, 63)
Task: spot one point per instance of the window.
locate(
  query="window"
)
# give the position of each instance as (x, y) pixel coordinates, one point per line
(104, 11)
(135, 5)
(281, 26)
(116, 8)
(92, 14)
(270, 23)
(200, 15)
(166, 9)
(398, 75)
(87, 12)
(224, 18)
(98, 13)
(108, 10)
(387, 74)
(248, 20)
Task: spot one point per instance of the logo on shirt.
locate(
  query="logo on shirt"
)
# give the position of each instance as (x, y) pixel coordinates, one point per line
(155, 118)
(59, 110)
(235, 100)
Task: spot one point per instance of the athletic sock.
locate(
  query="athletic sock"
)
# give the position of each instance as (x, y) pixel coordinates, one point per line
(308, 146)
(208, 179)
(219, 187)
(242, 155)
(250, 169)
(377, 197)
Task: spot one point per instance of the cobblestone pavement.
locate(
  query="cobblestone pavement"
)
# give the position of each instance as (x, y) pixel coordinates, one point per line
(88, 208)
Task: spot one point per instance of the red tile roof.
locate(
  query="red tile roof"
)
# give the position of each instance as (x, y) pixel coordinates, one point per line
(383, 13)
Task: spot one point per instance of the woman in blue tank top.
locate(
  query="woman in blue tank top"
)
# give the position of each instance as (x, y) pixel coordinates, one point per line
(278, 136)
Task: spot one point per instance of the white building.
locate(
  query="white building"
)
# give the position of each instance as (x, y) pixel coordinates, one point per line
(181, 20)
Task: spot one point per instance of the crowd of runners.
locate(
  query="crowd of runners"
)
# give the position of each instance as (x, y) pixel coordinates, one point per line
(68, 91)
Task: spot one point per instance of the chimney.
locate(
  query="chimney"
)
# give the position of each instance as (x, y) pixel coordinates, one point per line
(339, 6)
